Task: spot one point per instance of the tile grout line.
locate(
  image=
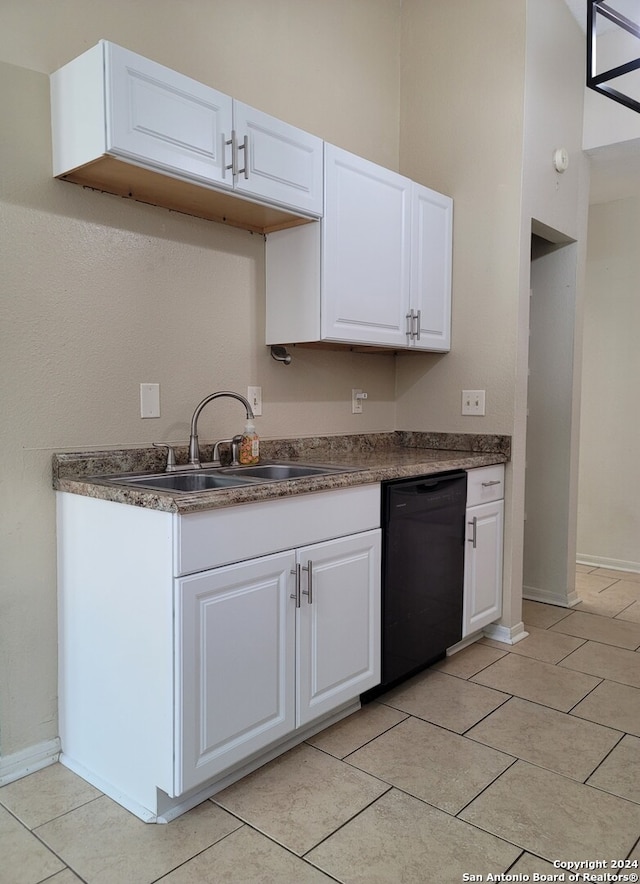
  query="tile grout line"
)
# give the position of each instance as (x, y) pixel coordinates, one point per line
(602, 761)
(366, 743)
(355, 816)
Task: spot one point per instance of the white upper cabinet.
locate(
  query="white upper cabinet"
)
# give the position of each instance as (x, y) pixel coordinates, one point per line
(157, 117)
(130, 126)
(276, 161)
(365, 266)
(431, 259)
(376, 271)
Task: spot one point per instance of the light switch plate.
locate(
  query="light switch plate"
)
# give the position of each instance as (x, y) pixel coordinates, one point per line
(254, 395)
(149, 400)
(473, 402)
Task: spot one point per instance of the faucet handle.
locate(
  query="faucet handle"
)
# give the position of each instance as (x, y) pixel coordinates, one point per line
(171, 455)
(215, 455)
(236, 442)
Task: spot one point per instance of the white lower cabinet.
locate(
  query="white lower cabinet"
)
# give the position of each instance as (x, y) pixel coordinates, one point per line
(483, 548)
(195, 647)
(235, 643)
(338, 627)
(253, 665)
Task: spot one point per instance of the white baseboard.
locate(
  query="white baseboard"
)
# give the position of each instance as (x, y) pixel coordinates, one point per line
(464, 643)
(566, 600)
(510, 635)
(612, 564)
(27, 761)
(167, 809)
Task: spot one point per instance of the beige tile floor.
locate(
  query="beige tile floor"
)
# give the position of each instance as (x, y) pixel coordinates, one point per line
(498, 759)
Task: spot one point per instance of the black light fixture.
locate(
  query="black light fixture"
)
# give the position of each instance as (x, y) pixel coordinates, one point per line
(600, 81)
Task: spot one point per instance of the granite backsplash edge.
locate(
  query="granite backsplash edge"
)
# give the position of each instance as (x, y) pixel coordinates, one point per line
(143, 459)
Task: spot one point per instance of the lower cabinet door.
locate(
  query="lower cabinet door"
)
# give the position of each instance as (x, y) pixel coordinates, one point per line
(235, 657)
(338, 638)
(483, 566)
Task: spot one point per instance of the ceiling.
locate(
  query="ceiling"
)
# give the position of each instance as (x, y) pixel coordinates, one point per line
(615, 170)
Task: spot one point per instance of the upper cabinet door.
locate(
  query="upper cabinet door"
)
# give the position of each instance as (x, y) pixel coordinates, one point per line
(431, 256)
(164, 119)
(276, 161)
(366, 252)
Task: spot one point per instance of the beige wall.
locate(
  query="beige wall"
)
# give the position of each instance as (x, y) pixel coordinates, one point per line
(461, 128)
(100, 294)
(330, 67)
(462, 120)
(609, 499)
(554, 205)
(488, 92)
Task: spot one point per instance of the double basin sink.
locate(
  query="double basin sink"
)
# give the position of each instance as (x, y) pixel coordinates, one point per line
(215, 478)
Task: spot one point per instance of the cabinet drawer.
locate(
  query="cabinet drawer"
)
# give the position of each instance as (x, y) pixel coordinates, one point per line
(485, 484)
(236, 533)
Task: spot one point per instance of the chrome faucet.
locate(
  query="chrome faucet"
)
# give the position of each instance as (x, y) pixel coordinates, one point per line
(194, 449)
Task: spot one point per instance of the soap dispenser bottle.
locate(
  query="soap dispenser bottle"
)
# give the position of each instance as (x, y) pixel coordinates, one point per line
(250, 445)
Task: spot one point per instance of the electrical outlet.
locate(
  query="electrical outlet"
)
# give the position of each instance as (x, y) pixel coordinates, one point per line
(254, 395)
(473, 402)
(149, 400)
(357, 398)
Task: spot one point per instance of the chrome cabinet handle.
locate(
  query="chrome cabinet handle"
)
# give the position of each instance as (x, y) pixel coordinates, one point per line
(409, 318)
(296, 595)
(245, 147)
(489, 484)
(224, 166)
(413, 324)
(309, 591)
(233, 165)
(235, 149)
(474, 525)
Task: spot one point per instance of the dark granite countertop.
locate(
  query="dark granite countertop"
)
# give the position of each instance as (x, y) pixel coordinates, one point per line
(367, 458)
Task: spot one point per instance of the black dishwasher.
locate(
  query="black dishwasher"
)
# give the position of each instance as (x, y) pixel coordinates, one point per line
(422, 570)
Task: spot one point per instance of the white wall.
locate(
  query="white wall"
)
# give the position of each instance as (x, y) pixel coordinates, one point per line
(606, 121)
(100, 294)
(609, 499)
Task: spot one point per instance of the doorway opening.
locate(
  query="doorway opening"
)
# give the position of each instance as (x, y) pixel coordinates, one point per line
(552, 423)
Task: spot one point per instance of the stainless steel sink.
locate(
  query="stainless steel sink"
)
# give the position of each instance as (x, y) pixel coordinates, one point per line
(279, 471)
(213, 478)
(186, 483)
